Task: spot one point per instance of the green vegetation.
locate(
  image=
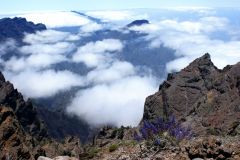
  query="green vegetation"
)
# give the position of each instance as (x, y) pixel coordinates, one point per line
(113, 147)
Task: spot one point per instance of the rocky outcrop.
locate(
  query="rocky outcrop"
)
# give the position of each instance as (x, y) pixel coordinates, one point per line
(13, 140)
(200, 96)
(200, 148)
(16, 28)
(138, 23)
(22, 134)
(24, 111)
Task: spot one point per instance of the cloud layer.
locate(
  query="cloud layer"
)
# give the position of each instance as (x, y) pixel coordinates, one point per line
(56, 19)
(114, 90)
(117, 92)
(192, 38)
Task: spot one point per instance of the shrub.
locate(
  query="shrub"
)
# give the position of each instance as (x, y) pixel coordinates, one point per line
(92, 152)
(161, 128)
(113, 147)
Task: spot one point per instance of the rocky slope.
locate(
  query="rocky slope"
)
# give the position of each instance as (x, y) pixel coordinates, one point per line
(22, 134)
(24, 111)
(16, 28)
(200, 96)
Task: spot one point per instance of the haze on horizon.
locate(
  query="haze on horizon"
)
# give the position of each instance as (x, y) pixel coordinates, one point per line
(67, 5)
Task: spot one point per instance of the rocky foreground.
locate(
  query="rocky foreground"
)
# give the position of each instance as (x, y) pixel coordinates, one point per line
(200, 96)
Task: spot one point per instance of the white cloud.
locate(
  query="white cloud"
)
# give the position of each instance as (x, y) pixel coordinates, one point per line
(203, 25)
(94, 53)
(46, 83)
(36, 61)
(121, 15)
(110, 73)
(56, 19)
(117, 93)
(7, 45)
(118, 103)
(48, 36)
(110, 15)
(191, 39)
(91, 27)
(57, 48)
(31, 71)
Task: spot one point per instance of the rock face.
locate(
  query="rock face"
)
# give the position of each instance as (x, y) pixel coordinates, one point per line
(13, 140)
(24, 111)
(22, 134)
(16, 27)
(201, 96)
(138, 23)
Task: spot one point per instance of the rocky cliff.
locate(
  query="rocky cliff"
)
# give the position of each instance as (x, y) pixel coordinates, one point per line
(200, 96)
(22, 134)
(16, 28)
(23, 110)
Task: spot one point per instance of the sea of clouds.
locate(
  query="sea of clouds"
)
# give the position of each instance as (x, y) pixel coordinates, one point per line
(114, 90)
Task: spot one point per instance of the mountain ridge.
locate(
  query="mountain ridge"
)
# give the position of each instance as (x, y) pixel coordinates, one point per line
(201, 96)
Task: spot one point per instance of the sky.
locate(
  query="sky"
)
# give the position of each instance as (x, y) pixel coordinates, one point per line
(7, 6)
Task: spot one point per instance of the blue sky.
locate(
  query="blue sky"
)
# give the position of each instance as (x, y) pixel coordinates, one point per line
(32, 5)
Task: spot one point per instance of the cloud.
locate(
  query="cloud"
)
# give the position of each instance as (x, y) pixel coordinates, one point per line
(192, 38)
(57, 48)
(7, 45)
(110, 15)
(94, 53)
(36, 61)
(118, 103)
(31, 72)
(56, 19)
(91, 27)
(116, 91)
(121, 15)
(45, 83)
(203, 25)
(49, 37)
(115, 71)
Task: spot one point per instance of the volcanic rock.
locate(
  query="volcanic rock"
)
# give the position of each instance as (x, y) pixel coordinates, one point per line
(24, 111)
(138, 23)
(16, 28)
(200, 96)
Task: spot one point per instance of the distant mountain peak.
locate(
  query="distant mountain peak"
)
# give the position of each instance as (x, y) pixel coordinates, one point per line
(16, 27)
(138, 23)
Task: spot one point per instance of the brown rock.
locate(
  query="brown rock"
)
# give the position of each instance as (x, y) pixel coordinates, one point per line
(200, 96)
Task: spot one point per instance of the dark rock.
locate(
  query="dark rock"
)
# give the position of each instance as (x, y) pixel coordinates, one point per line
(24, 111)
(203, 95)
(138, 23)
(16, 28)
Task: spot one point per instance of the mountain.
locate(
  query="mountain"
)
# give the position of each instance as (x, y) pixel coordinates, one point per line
(138, 23)
(23, 110)
(16, 28)
(200, 96)
(22, 134)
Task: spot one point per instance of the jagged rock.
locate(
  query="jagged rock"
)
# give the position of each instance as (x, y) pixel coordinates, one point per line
(200, 96)
(17, 27)
(138, 23)
(13, 140)
(24, 111)
(22, 134)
